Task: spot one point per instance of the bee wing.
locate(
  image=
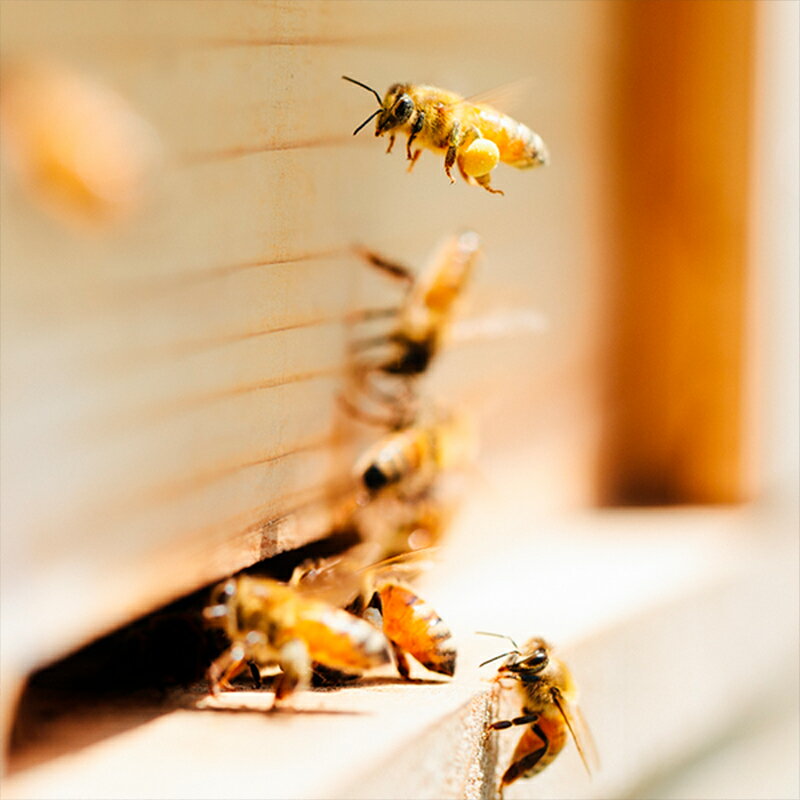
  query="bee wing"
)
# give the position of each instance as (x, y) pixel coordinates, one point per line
(335, 580)
(579, 731)
(405, 567)
(508, 97)
(497, 325)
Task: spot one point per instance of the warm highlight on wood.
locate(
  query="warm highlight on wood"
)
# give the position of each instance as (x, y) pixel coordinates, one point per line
(679, 269)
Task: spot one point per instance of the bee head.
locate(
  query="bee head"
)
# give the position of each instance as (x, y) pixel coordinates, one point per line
(534, 659)
(374, 478)
(395, 109)
(526, 662)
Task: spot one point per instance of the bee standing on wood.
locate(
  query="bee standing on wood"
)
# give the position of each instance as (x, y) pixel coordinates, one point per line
(549, 710)
(475, 136)
(273, 624)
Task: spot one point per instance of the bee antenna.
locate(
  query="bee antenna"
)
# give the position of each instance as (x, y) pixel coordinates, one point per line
(371, 116)
(500, 636)
(502, 655)
(364, 86)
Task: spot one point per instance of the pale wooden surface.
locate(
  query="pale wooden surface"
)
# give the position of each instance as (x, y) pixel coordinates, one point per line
(160, 374)
(677, 626)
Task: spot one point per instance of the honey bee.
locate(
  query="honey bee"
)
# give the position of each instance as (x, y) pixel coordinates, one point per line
(385, 598)
(408, 461)
(270, 623)
(473, 135)
(405, 352)
(549, 709)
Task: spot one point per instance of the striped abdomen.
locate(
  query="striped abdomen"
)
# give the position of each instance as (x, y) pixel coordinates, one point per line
(411, 623)
(400, 455)
(339, 639)
(519, 146)
(537, 747)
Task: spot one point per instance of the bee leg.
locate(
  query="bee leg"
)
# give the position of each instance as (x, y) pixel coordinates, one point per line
(371, 342)
(400, 395)
(485, 181)
(387, 423)
(502, 724)
(415, 129)
(295, 663)
(391, 144)
(401, 661)
(454, 141)
(391, 268)
(417, 154)
(449, 160)
(225, 668)
(255, 674)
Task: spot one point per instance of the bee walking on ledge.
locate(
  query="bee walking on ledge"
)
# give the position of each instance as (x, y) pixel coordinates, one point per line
(272, 624)
(475, 136)
(549, 710)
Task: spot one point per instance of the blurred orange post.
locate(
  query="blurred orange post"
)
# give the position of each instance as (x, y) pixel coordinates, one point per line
(680, 207)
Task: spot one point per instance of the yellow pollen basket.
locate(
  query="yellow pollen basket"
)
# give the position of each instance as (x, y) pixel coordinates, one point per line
(480, 158)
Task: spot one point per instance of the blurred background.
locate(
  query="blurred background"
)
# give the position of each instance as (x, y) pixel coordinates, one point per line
(180, 197)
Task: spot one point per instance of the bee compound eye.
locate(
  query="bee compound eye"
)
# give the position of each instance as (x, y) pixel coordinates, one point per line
(538, 658)
(403, 108)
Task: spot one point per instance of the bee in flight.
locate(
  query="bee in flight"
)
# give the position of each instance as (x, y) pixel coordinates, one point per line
(549, 709)
(382, 594)
(423, 318)
(407, 462)
(473, 135)
(270, 624)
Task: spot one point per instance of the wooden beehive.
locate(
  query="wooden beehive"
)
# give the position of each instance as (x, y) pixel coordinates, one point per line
(170, 377)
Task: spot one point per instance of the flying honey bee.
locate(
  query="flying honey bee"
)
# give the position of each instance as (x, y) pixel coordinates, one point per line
(406, 351)
(473, 135)
(549, 709)
(382, 594)
(408, 461)
(270, 623)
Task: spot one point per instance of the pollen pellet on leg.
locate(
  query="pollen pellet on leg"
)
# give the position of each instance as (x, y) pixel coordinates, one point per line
(480, 158)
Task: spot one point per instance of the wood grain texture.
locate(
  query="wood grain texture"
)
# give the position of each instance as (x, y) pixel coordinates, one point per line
(169, 382)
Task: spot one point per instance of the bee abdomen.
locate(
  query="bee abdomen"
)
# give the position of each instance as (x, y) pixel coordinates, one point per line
(536, 749)
(412, 624)
(342, 641)
(527, 149)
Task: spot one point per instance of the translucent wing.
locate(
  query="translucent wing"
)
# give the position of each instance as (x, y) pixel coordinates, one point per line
(335, 580)
(579, 731)
(406, 566)
(508, 97)
(497, 325)
(338, 579)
